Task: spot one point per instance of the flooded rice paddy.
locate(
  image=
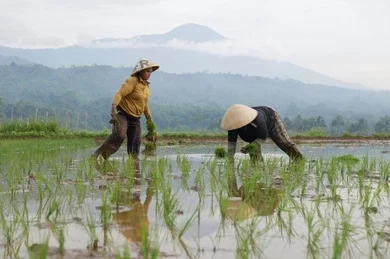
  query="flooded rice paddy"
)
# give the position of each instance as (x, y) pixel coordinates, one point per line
(57, 202)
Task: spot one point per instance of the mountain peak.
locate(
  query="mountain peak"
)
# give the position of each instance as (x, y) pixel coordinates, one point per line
(194, 32)
(187, 32)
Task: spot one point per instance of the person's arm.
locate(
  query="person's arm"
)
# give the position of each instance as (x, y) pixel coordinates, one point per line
(232, 142)
(148, 114)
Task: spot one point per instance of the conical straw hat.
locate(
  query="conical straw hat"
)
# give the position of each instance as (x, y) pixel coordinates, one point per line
(237, 116)
(237, 210)
(142, 64)
(259, 201)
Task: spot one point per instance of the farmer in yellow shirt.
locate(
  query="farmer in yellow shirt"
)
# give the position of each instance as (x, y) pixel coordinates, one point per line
(129, 103)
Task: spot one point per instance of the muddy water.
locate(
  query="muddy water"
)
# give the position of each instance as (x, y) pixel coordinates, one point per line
(286, 235)
(276, 231)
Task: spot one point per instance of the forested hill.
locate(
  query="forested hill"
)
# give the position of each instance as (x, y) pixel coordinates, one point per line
(178, 101)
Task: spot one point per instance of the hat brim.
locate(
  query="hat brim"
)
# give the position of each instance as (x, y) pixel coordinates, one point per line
(237, 116)
(155, 67)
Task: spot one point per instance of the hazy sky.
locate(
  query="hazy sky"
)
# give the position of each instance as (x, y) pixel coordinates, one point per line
(345, 39)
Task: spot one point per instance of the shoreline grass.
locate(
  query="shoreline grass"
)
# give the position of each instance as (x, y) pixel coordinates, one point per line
(40, 129)
(179, 136)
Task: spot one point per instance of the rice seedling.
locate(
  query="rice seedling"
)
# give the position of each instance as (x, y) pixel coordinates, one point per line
(105, 215)
(184, 164)
(246, 238)
(220, 152)
(38, 251)
(81, 192)
(315, 230)
(147, 250)
(58, 232)
(125, 255)
(322, 208)
(11, 234)
(343, 237)
(90, 227)
(169, 207)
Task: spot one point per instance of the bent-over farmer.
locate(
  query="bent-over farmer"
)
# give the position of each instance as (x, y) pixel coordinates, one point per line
(255, 125)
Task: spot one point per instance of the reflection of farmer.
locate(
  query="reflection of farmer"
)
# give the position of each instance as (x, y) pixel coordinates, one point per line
(254, 125)
(106, 167)
(133, 222)
(130, 102)
(247, 202)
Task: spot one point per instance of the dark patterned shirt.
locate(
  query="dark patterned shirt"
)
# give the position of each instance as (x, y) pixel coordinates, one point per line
(258, 128)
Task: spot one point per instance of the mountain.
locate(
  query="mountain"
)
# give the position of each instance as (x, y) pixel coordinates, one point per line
(188, 32)
(184, 59)
(6, 60)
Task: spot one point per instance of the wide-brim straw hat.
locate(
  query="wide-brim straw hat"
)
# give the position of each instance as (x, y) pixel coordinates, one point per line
(238, 210)
(143, 64)
(237, 116)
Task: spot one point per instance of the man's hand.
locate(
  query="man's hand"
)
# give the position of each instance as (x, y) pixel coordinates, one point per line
(245, 149)
(114, 115)
(152, 134)
(251, 147)
(114, 119)
(152, 137)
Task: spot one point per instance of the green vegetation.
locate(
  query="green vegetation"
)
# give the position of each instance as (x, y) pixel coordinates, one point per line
(23, 129)
(42, 129)
(220, 152)
(79, 98)
(52, 191)
(347, 159)
(151, 137)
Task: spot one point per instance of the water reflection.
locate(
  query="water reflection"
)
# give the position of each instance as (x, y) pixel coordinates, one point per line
(134, 223)
(251, 199)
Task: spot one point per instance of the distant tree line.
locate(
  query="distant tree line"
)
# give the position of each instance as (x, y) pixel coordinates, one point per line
(180, 118)
(80, 98)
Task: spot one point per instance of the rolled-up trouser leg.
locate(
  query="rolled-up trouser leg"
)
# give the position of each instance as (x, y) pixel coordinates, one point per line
(134, 137)
(279, 135)
(115, 140)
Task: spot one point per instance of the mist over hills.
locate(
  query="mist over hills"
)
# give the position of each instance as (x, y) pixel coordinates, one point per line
(6, 60)
(90, 89)
(184, 57)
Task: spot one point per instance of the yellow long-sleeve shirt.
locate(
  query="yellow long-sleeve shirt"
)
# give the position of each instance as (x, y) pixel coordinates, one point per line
(133, 97)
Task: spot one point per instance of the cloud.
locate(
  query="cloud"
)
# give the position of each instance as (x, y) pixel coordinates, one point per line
(50, 41)
(76, 5)
(320, 35)
(228, 47)
(15, 34)
(11, 31)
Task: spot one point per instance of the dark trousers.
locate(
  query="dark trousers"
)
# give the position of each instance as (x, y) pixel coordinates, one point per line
(129, 127)
(279, 136)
